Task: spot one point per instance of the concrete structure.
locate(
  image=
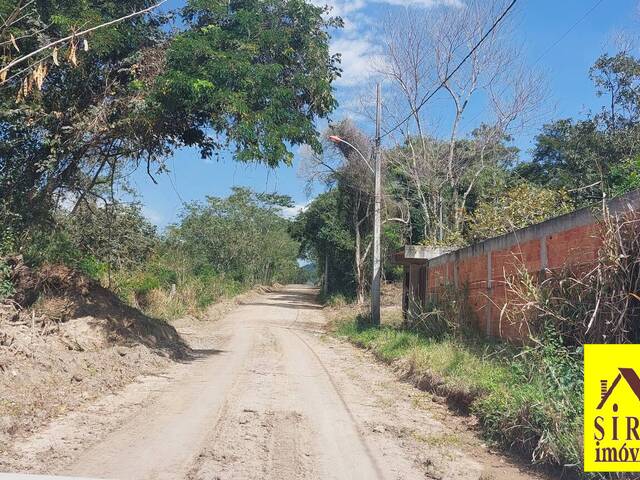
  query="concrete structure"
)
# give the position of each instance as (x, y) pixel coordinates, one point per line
(572, 239)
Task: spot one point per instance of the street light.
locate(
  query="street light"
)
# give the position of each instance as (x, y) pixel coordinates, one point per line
(336, 139)
(377, 262)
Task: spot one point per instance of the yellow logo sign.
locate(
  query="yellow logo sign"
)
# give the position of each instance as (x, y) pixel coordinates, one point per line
(612, 408)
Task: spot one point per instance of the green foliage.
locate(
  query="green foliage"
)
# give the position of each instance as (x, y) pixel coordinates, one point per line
(219, 249)
(53, 245)
(93, 240)
(518, 207)
(117, 233)
(256, 73)
(541, 410)
(58, 139)
(527, 399)
(249, 75)
(625, 176)
(6, 286)
(325, 237)
(242, 236)
(618, 77)
(418, 177)
(598, 154)
(168, 285)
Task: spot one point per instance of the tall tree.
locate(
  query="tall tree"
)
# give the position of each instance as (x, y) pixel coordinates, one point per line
(242, 236)
(325, 238)
(248, 75)
(421, 49)
(60, 135)
(598, 155)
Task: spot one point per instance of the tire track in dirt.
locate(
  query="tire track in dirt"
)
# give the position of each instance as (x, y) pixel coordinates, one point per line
(271, 397)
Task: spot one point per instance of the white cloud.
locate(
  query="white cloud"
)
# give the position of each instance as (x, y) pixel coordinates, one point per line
(345, 7)
(341, 7)
(422, 3)
(360, 52)
(292, 212)
(359, 57)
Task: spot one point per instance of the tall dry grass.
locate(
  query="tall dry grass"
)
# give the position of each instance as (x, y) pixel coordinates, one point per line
(593, 303)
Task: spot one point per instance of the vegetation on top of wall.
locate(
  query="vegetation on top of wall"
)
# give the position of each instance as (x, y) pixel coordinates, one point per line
(518, 207)
(594, 303)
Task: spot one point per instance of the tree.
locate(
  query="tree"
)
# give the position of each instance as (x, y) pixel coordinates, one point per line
(242, 236)
(419, 178)
(250, 75)
(345, 169)
(618, 77)
(62, 139)
(253, 74)
(594, 157)
(420, 51)
(518, 207)
(325, 238)
(570, 155)
(117, 234)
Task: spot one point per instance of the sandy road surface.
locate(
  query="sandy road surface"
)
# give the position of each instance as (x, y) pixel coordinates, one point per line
(269, 396)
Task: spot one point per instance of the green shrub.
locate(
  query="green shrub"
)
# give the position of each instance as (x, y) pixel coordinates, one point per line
(6, 287)
(53, 247)
(91, 267)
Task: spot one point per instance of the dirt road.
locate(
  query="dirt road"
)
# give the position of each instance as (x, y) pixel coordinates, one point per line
(268, 396)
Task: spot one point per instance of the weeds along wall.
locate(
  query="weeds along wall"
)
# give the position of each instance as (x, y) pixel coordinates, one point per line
(571, 240)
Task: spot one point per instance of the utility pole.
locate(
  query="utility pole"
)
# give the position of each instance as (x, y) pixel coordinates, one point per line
(377, 264)
(377, 220)
(325, 286)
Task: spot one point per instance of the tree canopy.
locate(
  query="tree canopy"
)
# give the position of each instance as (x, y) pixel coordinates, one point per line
(242, 236)
(597, 155)
(254, 73)
(251, 76)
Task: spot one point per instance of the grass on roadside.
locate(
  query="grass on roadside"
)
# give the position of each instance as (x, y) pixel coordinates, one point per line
(528, 399)
(162, 293)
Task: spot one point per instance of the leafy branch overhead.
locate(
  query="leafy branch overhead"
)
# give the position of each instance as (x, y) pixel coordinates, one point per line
(102, 93)
(252, 74)
(39, 60)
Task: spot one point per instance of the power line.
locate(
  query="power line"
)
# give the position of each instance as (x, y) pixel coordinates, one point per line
(548, 49)
(455, 70)
(173, 186)
(569, 30)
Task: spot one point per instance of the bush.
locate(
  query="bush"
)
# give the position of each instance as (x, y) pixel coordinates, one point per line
(166, 289)
(539, 414)
(6, 286)
(92, 268)
(522, 205)
(447, 315)
(593, 303)
(335, 300)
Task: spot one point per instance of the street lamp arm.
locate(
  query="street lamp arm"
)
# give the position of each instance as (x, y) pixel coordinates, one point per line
(336, 139)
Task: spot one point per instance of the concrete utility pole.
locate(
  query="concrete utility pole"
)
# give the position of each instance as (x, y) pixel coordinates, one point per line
(377, 220)
(325, 286)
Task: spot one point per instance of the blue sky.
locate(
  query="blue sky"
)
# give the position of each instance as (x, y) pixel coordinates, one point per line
(539, 25)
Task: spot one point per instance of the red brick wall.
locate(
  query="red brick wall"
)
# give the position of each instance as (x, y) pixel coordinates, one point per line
(570, 240)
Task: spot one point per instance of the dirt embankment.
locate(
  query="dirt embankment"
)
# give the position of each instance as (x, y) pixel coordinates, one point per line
(65, 340)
